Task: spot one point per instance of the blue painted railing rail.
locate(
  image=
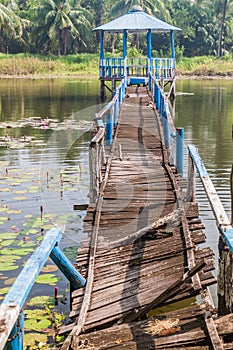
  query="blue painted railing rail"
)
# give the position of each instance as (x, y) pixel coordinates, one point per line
(173, 137)
(223, 223)
(11, 315)
(106, 122)
(161, 68)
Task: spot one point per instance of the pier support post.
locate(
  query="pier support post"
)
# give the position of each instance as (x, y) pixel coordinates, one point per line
(102, 90)
(180, 150)
(225, 279)
(15, 340)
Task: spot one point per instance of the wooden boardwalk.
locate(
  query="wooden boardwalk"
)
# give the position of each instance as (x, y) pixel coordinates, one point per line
(144, 251)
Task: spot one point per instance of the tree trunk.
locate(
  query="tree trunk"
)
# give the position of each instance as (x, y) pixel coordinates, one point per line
(222, 27)
(59, 43)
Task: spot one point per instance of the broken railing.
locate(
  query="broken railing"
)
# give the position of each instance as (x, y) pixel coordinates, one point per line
(106, 122)
(11, 314)
(225, 273)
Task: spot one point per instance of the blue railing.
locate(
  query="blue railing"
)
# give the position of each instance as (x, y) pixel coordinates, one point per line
(223, 223)
(106, 122)
(11, 315)
(173, 137)
(161, 68)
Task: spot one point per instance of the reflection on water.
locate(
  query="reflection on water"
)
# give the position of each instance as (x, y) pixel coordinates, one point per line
(206, 113)
(49, 173)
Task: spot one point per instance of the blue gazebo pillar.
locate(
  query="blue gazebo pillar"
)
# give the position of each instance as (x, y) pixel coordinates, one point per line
(149, 48)
(172, 43)
(125, 53)
(101, 44)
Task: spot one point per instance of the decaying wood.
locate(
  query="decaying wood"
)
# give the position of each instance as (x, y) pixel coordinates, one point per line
(144, 241)
(165, 295)
(171, 220)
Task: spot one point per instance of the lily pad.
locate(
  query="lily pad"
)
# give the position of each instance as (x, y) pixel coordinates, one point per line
(40, 301)
(9, 281)
(33, 339)
(7, 242)
(48, 278)
(19, 198)
(7, 266)
(5, 189)
(49, 268)
(35, 325)
(19, 211)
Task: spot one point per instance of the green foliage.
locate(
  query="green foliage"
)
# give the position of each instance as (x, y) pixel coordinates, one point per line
(64, 27)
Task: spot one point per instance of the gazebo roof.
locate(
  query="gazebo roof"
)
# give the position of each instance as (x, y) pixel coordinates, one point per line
(135, 21)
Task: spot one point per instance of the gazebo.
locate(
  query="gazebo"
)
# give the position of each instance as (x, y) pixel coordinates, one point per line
(136, 70)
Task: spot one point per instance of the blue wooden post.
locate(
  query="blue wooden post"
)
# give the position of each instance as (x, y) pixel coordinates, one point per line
(180, 150)
(115, 112)
(158, 98)
(172, 43)
(15, 340)
(125, 52)
(65, 266)
(102, 51)
(109, 128)
(22, 286)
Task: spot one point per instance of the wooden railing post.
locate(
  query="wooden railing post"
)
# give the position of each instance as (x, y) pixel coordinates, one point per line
(93, 165)
(16, 337)
(191, 186)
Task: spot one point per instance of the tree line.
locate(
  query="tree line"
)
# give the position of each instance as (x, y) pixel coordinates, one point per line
(65, 26)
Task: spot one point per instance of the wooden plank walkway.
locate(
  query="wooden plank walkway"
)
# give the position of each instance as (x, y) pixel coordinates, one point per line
(135, 267)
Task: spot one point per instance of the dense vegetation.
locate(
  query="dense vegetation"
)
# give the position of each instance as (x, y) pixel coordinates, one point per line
(64, 27)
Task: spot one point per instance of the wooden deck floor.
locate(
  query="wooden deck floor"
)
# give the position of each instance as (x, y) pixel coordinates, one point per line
(130, 273)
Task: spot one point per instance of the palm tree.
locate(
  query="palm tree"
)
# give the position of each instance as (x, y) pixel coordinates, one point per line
(225, 4)
(60, 23)
(11, 25)
(152, 7)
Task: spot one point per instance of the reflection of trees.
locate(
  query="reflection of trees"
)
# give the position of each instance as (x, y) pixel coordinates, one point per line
(20, 98)
(209, 115)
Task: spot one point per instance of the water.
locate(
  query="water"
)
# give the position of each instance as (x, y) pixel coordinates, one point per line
(205, 109)
(43, 169)
(44, 160)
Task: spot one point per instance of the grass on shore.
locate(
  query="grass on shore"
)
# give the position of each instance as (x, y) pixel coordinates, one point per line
(87, 65)
(28, 65)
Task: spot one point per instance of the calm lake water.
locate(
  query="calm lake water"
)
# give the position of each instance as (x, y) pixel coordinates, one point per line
(44, 160)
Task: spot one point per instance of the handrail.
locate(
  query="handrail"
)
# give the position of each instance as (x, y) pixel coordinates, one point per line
(11, 316)
(106, 121)
(223, 223)
(173, 137)
(162, 68)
